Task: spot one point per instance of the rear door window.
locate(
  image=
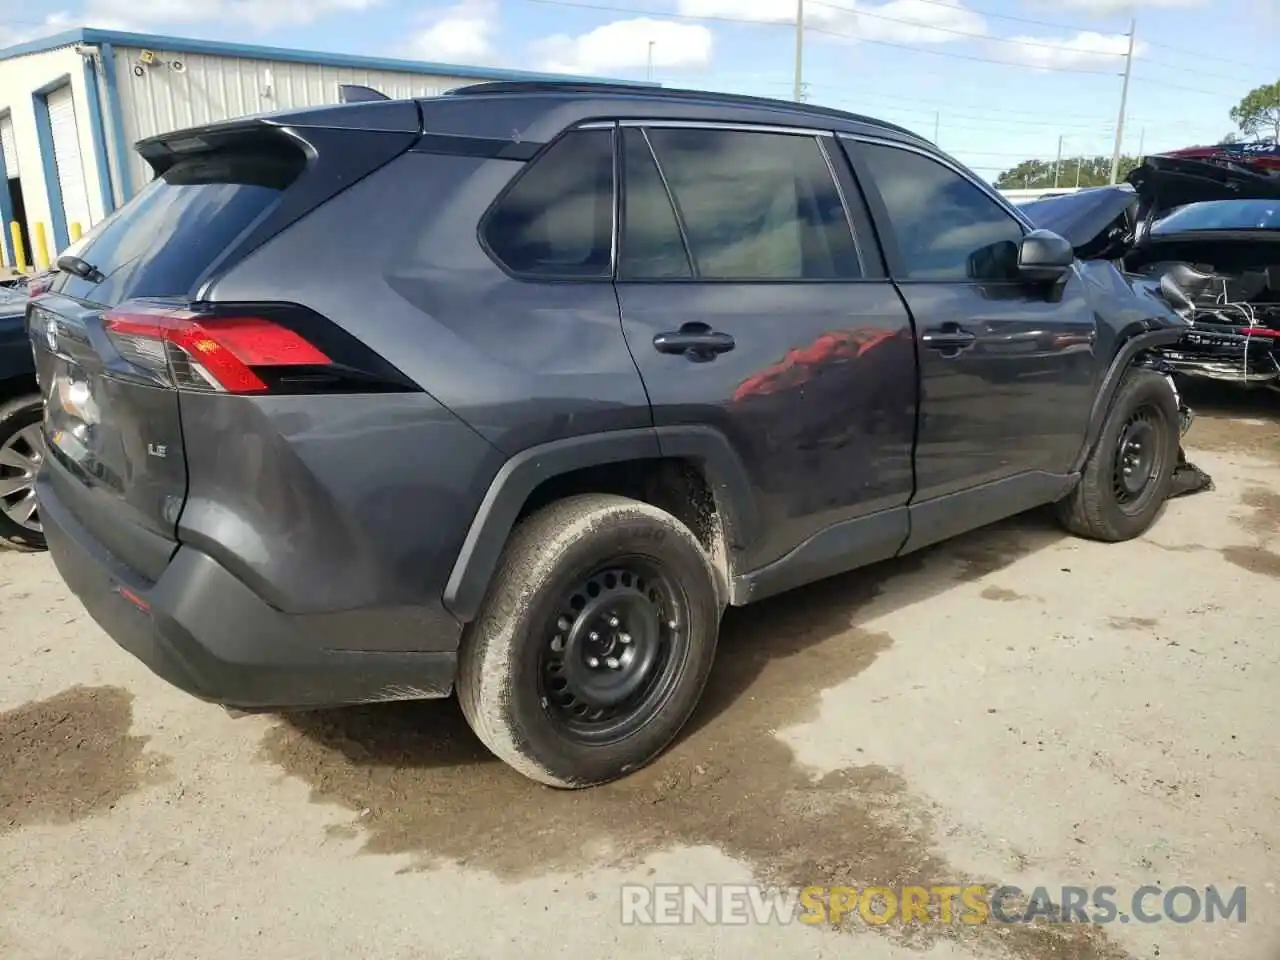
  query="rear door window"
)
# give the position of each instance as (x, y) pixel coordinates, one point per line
(556, 220)
(756, 205)
(168, 236)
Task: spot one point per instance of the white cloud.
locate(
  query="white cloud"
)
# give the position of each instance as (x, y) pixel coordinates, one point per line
(262, 14)
(625, 44)
(1084, 51)
(21, 33)
(460, 34)
(898, 21)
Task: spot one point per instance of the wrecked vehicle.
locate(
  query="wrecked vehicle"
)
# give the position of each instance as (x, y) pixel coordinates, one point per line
(620, 357)
(1205, 226)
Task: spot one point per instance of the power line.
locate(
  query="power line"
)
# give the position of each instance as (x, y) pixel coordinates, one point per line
(944, 53)
(1010, 17)
(958, 33)
(1182, 69)
(1201, 55)
(1178, 86)
(640, 11)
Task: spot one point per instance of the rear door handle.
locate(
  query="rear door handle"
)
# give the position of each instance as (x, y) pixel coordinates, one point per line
(697, 341)
(950, 336)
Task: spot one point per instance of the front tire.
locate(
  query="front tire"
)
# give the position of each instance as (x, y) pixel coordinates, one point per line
(594, 643)
(1129, 473)
(21, 452)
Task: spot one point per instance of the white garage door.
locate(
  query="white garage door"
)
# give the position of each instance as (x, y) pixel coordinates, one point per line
(66, 154)
(10, 148)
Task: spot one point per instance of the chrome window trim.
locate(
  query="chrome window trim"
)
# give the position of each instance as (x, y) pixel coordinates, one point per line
(951, 165)
(724, 125)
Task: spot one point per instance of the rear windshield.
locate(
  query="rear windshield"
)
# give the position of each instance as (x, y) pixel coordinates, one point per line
(166, 237)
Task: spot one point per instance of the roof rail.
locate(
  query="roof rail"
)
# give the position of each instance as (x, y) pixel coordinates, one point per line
(667, 93)
(359, 93)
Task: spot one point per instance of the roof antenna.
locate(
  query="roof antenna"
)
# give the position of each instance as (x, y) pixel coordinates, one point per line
(357, 93)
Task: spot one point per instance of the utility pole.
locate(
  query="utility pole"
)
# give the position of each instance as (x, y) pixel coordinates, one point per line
(937, 122)
(649, 62)
(1079, 164)
(797, 93)
(1124, 102)
(1057, 164)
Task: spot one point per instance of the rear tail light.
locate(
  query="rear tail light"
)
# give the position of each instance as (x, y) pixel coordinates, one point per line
(244, 353)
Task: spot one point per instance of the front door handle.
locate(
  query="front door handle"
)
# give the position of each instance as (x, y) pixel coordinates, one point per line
(950, 337)
(697, 341)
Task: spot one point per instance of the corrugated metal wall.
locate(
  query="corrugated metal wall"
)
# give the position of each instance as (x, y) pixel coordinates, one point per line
(211, 88)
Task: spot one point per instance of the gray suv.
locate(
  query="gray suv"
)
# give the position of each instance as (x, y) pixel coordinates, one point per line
(515, 389)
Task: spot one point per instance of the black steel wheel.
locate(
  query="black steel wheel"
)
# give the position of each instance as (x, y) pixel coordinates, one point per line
(594, 643)
(1128, 474)
(1137, 457)
(614, 649)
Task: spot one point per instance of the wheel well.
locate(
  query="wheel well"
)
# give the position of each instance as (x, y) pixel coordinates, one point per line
(674, 484)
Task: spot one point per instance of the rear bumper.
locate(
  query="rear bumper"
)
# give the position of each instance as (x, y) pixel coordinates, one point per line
(205, 632)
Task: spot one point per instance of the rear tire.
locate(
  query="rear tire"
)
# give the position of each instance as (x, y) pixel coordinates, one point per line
(594, 642)
(21, 450)
(1128, 475)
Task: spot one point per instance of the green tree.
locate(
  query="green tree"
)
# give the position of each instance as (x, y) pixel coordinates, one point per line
(1258, 114)
(1073, 171)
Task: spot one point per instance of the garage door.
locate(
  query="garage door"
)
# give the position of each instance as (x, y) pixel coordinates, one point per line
(10, 148)
(66, 154)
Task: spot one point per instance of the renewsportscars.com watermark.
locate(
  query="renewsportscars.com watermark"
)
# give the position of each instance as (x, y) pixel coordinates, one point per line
(738, 904)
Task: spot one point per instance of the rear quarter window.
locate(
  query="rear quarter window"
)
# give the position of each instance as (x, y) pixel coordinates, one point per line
(167, 237)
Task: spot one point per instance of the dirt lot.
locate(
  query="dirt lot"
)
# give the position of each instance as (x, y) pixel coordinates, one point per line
(1015, 707)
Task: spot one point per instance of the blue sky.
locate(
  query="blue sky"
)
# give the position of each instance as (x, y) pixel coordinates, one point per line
(999, 80)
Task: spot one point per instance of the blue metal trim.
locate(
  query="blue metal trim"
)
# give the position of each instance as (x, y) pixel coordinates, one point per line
(52, 188)
(121, 147)
(99, 137)
(282, 55)
(52, 42)
(6, 207)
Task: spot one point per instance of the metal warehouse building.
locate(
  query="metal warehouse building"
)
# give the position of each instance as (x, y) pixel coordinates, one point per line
(72, 105)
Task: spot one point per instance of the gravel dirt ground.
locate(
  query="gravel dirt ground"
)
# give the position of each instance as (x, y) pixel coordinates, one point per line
(1013, 707)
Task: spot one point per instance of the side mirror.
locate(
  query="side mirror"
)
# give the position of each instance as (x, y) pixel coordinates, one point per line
(1043, 255)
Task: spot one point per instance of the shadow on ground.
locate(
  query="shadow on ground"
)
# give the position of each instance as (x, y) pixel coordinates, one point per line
(419, 783)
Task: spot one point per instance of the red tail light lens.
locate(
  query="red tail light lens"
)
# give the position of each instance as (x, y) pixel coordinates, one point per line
(194, 351)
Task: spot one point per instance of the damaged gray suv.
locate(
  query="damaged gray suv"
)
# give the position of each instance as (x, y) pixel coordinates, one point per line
(513, 390)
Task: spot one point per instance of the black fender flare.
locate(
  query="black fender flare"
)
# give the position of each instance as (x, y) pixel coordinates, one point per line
(482, 548)
(1120, 363)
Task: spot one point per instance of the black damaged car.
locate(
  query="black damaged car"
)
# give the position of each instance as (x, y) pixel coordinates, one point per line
(1207, 230)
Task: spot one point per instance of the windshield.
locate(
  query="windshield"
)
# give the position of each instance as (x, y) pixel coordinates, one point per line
(1221, 215)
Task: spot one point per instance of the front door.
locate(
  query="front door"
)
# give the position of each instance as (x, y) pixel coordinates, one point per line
(1007, 366)
(750, 303)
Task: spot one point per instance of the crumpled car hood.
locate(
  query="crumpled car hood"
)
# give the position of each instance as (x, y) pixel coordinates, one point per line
(1105, 222)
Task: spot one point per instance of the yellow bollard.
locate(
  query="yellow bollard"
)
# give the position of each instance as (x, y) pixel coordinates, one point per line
(75, 231)
(42, 247)
(19, 254)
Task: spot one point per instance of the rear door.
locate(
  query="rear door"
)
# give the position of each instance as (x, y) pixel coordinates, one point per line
(754, 300)
(111, 411)
(1006, 366)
